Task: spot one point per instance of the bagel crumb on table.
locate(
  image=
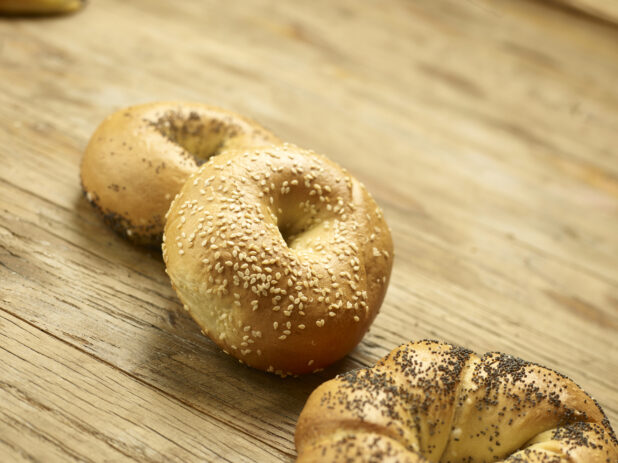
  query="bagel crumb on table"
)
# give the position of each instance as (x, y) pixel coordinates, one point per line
(280, 255)
(431, 401)
(139, 158)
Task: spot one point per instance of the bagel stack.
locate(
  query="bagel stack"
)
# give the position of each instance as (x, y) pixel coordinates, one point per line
(280, 255)
(434, 402)
(139, 158)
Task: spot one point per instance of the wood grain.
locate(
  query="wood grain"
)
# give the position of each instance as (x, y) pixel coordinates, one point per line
(603, 9)
(485, 130)
(66, 404)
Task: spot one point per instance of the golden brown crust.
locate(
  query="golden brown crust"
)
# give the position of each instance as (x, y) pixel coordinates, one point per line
(443, 403)
(139, 157)
(577, 442)
(358, 447)
(39, 7)
(280, 255)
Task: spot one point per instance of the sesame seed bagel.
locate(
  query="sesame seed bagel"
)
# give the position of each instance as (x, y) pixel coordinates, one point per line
(139, 157)
(434, 402)
(280, 255)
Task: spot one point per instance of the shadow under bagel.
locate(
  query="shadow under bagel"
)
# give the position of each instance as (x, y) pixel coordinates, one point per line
(170, 353)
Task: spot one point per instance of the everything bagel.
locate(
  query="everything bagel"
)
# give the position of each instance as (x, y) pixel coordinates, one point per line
(281, 256)
(434, 402)
(139, 157)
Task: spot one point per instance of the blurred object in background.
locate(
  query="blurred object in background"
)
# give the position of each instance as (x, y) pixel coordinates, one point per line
(39, 7)
(604, 9)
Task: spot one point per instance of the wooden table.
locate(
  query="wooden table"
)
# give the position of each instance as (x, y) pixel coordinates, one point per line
(486, 129)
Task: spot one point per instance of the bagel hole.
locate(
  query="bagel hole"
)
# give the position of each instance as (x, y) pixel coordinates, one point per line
(200, 139)
(287, 233)
(294, 228)
(203, 155)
